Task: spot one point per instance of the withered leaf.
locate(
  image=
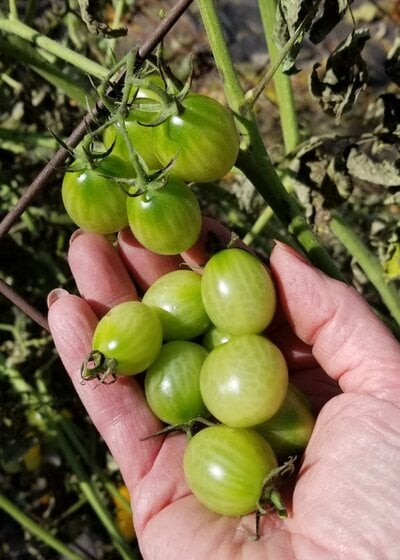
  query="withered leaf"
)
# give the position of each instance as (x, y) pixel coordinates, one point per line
(332, 13)
(345, 75)
(392, 63)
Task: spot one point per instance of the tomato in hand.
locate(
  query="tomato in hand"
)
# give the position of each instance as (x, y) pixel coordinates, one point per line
(176, 298)
(244, 381)
(165, 220)
(238, 292)
(131, 334)
(289, 430)
(202, 137)
(172, 382)
(213, 337)
(93, 199)
(226, 468)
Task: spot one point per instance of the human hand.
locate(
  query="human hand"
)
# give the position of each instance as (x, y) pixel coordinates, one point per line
(346, 500)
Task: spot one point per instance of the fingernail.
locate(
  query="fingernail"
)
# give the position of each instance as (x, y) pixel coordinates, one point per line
(54, 295)
(292, 251)
(76, 234)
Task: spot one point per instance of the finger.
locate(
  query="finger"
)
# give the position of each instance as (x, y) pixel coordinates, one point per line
(213, 236)
(350, 343)
(119, 411)
(99, 273)
(146, 267)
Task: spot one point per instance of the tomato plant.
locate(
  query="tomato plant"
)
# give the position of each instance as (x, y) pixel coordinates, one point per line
(203, 138)
(165, 220)
(244, 381)
(238, 292)
(289, 430)
(226, 468)
(92, 196)
(176, 298)
(172, 382)
(139, 135)
(131, 334)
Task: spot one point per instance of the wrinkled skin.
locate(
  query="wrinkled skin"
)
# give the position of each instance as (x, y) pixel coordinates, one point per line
(346, 500)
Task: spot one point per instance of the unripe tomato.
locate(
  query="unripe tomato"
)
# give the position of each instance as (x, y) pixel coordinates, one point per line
(202, 137)
(131, 334)
(167, 220)
(176, 298)
(141, 136)
(289, 430)
(226, 467)
(238, 293)
(93, 199)
(172, 382)
(244, 381)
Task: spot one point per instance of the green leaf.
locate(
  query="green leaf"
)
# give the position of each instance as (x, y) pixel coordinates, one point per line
(345, 75)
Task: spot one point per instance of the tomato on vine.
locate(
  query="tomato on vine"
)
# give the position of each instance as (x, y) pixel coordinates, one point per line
(93, 197)
(139, 134)
(166, 219)
(201, 139)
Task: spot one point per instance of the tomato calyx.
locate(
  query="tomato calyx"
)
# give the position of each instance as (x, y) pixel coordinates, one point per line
(270, 499)
(97, 366)
(189, 428)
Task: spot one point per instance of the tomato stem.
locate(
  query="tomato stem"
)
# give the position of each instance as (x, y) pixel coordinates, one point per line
(97, 366)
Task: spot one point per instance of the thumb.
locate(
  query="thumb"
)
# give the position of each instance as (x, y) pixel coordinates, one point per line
(349, 341)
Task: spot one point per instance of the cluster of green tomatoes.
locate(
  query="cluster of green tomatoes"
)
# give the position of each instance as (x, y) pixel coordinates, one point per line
(197, 336)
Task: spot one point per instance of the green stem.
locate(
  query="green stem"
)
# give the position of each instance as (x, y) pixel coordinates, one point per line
(254, 160)
(368, 262)
(34, 529)
(79, 61)
(50, 423)
(282, 83)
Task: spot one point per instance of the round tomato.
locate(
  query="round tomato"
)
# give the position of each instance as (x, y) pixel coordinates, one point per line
(176, 298)
(131, 334)
(226, 468)
(202, 137)
(172, 382)
(238, 292)
(289, 430)
(165, 220)
(244, 381)
(139, 135)
(93, 199)
(213, 337)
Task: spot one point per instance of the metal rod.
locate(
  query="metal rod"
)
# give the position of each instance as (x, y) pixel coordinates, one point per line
(24, 305)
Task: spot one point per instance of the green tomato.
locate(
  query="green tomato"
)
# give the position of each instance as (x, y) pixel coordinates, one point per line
(172, 382)
(176, 298)
(289, 430)
(238, 292)
(167, 220)
(244, 381)
(226, 468)
(131, 334)
(202, 137)
(93, 199)
(214, 337)
(140, 136)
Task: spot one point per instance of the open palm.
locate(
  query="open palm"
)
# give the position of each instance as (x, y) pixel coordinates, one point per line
(346, 500)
